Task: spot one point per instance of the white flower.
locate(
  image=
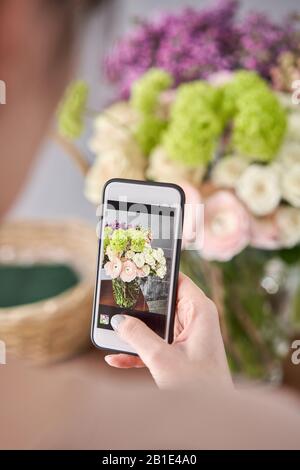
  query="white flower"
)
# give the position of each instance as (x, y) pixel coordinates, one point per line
(161, 272)
(115, 126)
(289, 153)
(114, 163)
(139, 260)
(148, 250)
(258, 187)
(121, 113)
(110, 253)
(276, 166)
(149, 259)
(158, 254)
(146, 269)
(285, 100)
(163, 261)
(129, 254)
(293, 127)
(161, 168)
(291, 185)
(287, 220)
(228, 170)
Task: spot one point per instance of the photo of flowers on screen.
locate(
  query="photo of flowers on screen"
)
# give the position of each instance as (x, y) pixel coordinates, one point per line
(128, 258)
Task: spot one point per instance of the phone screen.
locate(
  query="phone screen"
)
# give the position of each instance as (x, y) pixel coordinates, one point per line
(136, 263)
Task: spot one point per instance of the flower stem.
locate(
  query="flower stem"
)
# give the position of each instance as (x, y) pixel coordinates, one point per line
(78, 158)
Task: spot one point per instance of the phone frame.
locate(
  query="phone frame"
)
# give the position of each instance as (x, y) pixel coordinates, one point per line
(170, 332)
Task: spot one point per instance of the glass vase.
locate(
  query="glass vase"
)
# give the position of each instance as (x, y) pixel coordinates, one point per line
(257, 294)
(126, 294)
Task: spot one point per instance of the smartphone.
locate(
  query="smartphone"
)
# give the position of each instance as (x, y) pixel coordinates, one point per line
(140, 232)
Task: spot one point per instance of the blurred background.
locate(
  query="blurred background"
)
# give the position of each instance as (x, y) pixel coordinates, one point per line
(232, 143)
(53, 168)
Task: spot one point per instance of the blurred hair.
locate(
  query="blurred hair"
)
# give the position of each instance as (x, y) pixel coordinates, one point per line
(70, 14)
(84, 4)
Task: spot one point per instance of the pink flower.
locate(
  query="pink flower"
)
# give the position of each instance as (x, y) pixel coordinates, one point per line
(129, 271)
(264, 233)
(113, 268)
(220, 78)
(192, 235)
(166, 101)
(140, 273)
(226, 227)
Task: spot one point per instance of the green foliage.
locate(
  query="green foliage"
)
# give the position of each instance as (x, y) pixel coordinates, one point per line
(70, 113)
(125, 293)
(290, 255)
(195, 125)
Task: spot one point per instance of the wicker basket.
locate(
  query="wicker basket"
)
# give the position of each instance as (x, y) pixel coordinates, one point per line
(59, 327)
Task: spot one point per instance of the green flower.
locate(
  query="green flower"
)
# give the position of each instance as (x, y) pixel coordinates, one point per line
(107, 233)
(138, 241)
(144, 98)
(243, 81)
(199, 90)
(259, 125)
(146, 90)
(119, 240)
(195, 125)
(148, 132)
(71, 110)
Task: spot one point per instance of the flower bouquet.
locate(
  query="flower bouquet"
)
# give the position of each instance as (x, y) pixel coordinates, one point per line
(128, 258)
(205, 101)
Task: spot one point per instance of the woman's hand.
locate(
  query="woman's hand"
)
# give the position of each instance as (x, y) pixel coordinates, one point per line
(197, 354)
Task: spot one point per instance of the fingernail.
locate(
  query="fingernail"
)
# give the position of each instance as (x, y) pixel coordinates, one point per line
(107, 359)
(116, 320)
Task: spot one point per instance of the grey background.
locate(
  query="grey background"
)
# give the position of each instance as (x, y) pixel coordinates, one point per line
(55, 187)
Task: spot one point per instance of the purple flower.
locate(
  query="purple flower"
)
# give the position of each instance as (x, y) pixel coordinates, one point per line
(262, 42)
(191, 44)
